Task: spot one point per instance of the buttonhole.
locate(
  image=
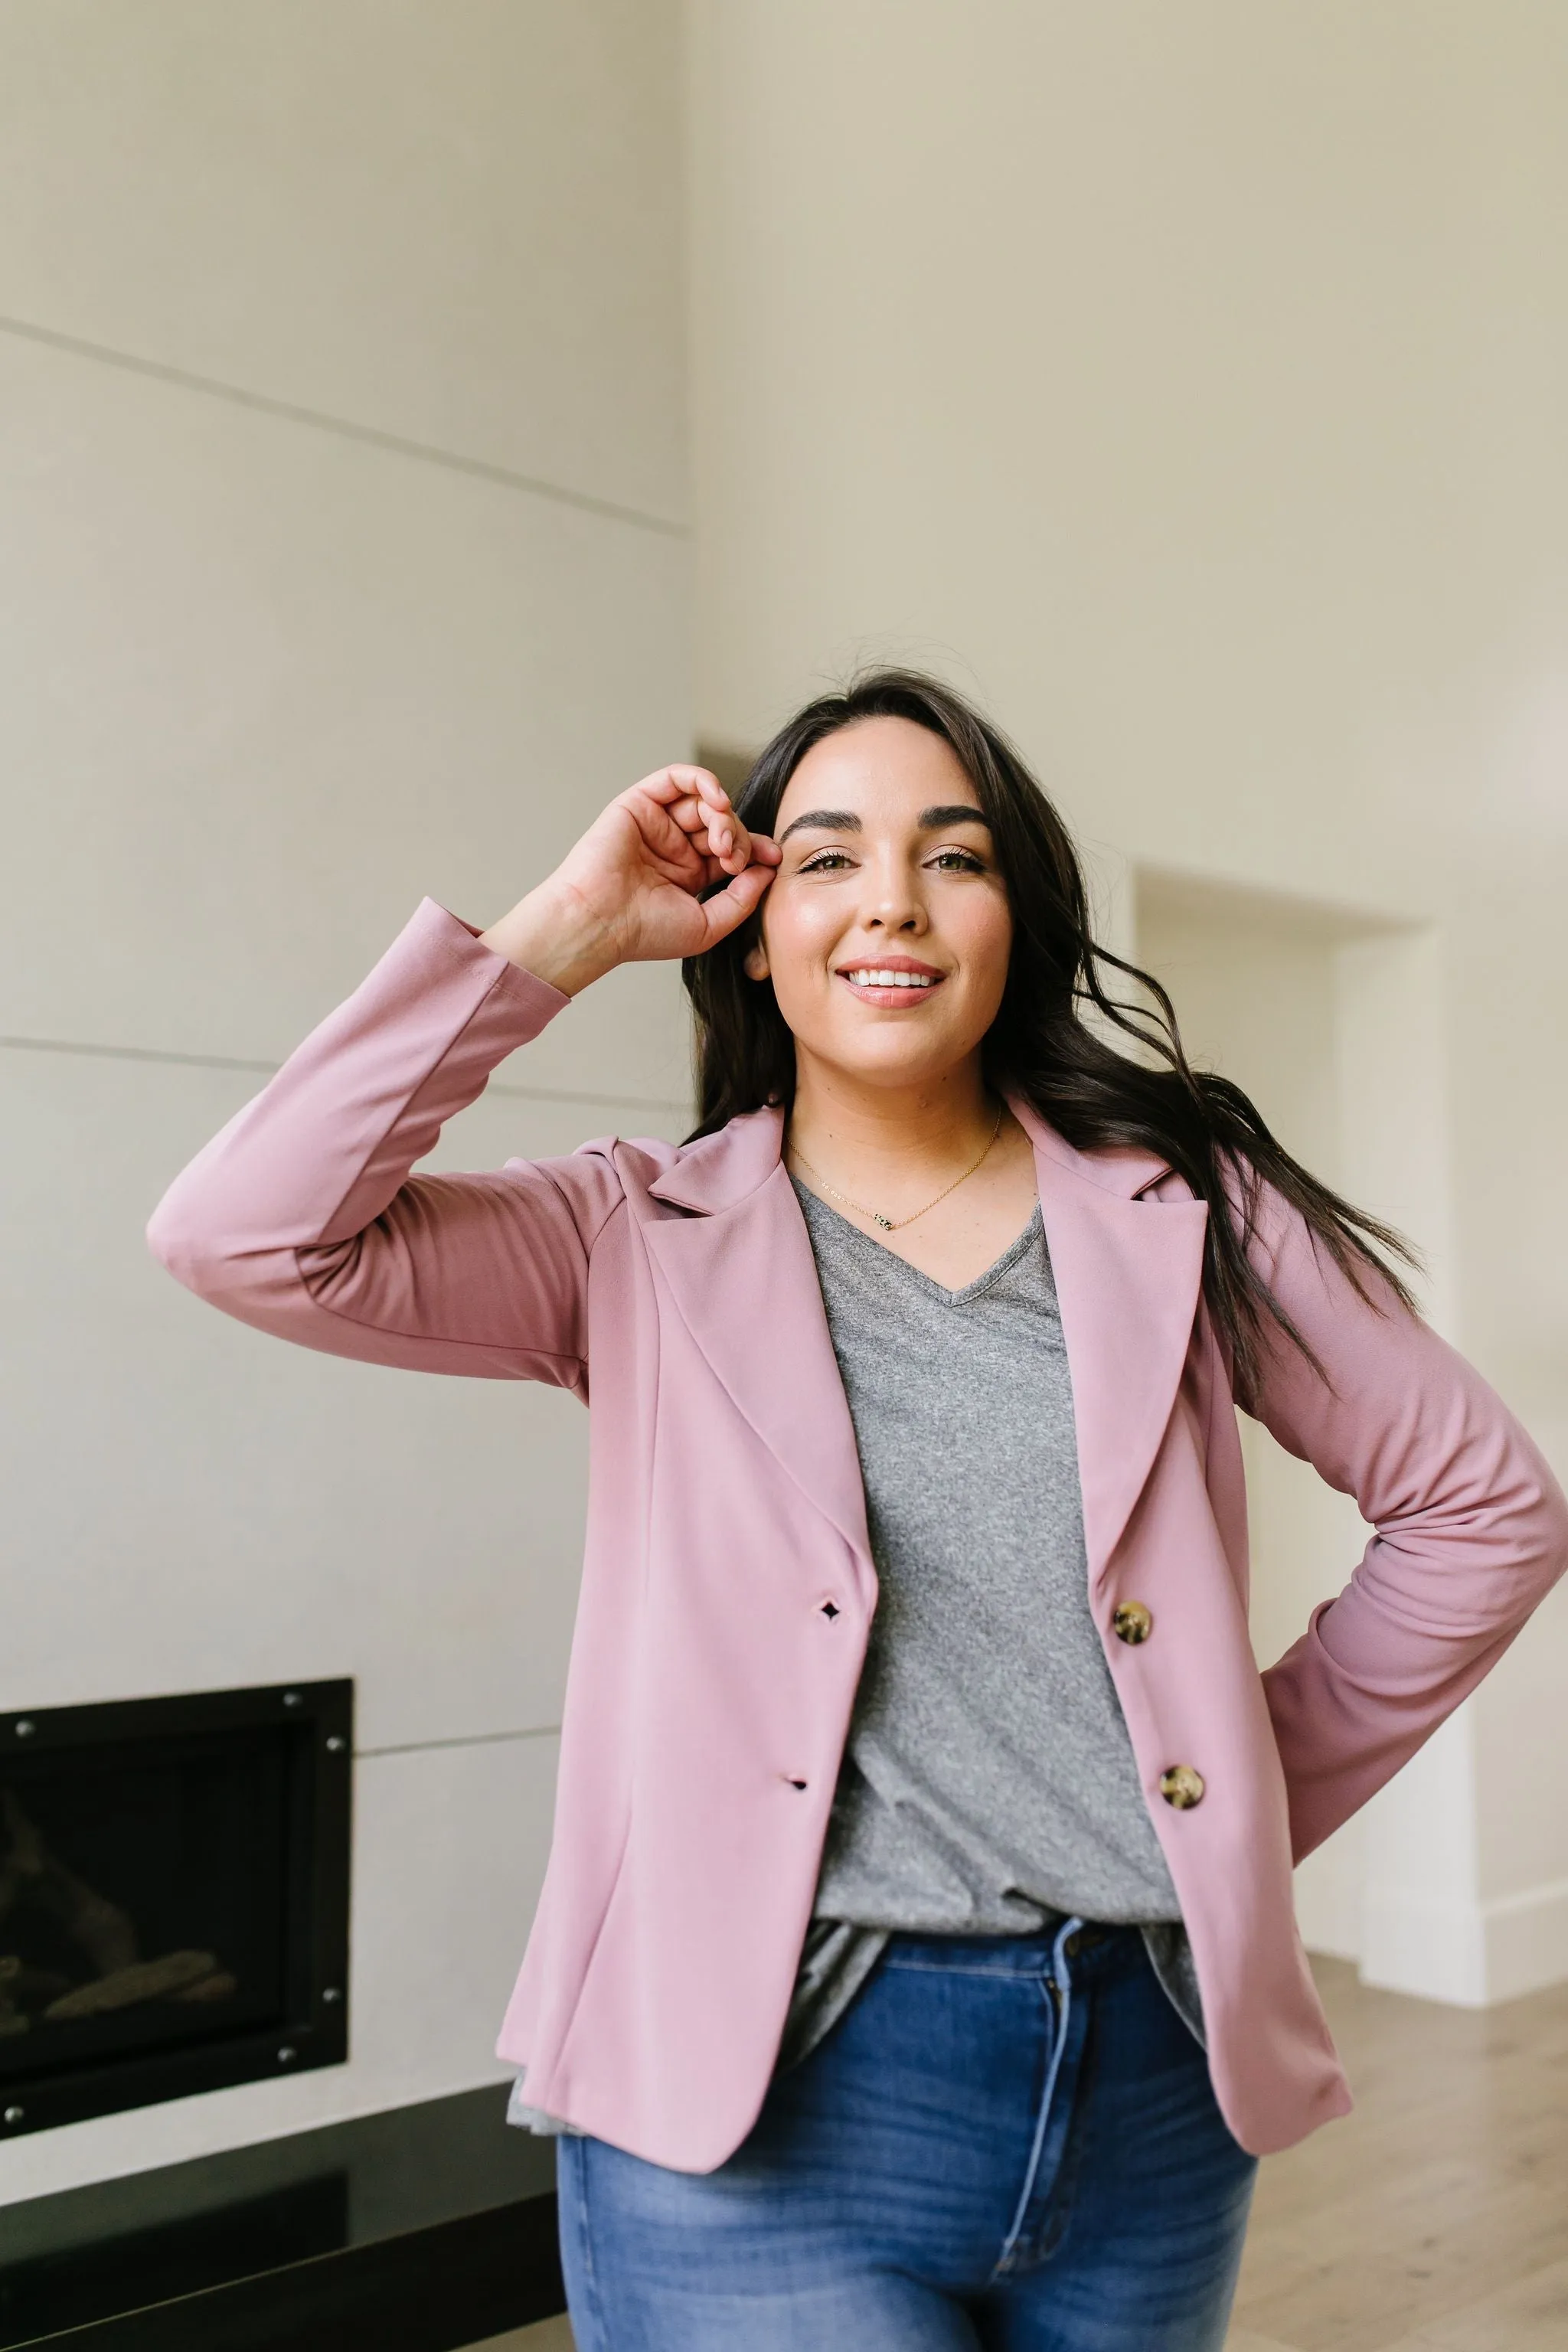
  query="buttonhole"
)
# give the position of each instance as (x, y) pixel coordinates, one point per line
(829, 1609)
(792, 1781)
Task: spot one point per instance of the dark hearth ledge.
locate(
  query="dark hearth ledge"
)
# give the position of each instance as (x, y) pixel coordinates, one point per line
(420, 2229)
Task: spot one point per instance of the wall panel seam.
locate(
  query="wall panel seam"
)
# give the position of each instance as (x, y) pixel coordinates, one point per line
(373, 437)
(606, 1100)
(464, 1739)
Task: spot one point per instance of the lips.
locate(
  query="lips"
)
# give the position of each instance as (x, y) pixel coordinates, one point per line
(896, 982)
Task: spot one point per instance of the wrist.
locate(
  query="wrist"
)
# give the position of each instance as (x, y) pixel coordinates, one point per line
(554, 935)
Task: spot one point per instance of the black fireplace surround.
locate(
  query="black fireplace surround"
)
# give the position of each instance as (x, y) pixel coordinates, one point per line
(173, 1896)
(174, 1918)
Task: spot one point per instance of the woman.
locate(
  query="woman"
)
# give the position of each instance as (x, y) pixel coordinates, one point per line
(940, 1987)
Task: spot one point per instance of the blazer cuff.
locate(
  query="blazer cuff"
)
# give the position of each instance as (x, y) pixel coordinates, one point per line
(534, 1002)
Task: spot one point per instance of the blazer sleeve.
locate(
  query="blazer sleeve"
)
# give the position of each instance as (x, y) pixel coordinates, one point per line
(1469, 1528)
(302, 1217)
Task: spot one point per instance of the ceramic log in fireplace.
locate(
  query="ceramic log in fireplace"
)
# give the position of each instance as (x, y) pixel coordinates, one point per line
(173, 1896)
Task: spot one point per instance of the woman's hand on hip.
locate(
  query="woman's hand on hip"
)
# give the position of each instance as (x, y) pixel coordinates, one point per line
(627, 893)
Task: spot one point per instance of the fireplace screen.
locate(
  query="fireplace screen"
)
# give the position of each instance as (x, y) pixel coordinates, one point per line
(173, 1896)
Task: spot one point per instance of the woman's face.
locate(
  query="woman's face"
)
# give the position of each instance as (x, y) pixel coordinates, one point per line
(886, 932)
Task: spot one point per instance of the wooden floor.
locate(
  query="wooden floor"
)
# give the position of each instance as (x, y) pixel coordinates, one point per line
(1432, 2219)
(1436, 2217)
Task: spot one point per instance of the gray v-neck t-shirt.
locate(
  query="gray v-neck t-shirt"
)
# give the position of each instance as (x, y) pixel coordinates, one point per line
(988, 1785)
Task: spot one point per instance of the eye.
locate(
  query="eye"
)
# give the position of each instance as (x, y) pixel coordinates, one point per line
(958, 861)
(826, 861)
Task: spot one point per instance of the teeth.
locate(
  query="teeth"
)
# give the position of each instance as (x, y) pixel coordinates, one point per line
(891, 980)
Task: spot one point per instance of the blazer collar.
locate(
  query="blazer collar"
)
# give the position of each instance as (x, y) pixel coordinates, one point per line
(721, 1168)
(1129, 1273)
(1119, 1169)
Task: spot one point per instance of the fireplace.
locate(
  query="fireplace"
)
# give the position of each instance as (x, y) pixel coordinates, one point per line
(173, 1896)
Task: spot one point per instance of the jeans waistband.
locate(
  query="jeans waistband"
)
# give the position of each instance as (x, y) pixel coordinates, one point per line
(1092, 1948)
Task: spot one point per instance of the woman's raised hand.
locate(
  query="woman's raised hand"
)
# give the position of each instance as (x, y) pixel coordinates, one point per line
(627, 892)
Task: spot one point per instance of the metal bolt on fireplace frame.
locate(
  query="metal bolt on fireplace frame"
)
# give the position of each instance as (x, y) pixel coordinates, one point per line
(173, 1896)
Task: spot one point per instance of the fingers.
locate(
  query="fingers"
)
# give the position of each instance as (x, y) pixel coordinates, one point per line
(704, 811)
(695, 800)
(683, 782)
(728, 908)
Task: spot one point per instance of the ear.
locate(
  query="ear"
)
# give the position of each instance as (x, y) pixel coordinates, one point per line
(754, 962)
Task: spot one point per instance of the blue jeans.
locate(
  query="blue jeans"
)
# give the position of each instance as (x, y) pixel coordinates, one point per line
(1006, 2141)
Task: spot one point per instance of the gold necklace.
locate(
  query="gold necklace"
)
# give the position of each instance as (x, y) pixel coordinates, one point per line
(892, 1224)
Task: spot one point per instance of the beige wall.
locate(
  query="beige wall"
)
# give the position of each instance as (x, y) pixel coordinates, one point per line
(343, 558)
(1189, 383)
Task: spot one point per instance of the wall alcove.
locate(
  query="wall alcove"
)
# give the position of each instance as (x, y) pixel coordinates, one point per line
(1330, 1017)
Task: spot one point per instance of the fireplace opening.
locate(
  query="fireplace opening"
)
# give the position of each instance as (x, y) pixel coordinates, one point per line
(173, 1896)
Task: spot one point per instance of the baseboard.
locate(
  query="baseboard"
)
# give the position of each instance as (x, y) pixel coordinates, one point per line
(1526, 1941)
(1434, 1950)
(1470, 1955)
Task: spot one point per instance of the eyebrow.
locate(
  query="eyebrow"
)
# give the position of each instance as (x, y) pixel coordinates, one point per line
(953, 813)
(845, 821)
(822, 821)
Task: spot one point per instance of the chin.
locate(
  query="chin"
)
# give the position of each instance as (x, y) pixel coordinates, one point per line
(893, 1060)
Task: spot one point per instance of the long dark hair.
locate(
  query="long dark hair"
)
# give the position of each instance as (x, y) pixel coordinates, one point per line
(1040, 1044)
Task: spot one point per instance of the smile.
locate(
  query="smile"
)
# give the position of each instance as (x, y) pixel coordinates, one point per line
(894, 985)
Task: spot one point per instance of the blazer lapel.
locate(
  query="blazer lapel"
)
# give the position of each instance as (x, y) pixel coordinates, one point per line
(1129, 1272)
(743, 1278)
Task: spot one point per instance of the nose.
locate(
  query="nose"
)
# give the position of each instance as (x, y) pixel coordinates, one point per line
(890, 898)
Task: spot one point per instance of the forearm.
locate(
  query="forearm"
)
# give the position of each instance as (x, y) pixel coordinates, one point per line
(555, 935)
(326, 1145)
(1471, 1531)
(1354, 1699)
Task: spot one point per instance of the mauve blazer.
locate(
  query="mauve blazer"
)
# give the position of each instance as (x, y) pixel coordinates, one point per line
(729, 1586)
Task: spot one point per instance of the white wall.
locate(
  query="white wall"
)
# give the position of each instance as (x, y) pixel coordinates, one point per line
(343, 559)
(1189, 383)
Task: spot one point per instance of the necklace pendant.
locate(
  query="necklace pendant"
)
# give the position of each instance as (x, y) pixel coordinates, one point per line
(886, 1223)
